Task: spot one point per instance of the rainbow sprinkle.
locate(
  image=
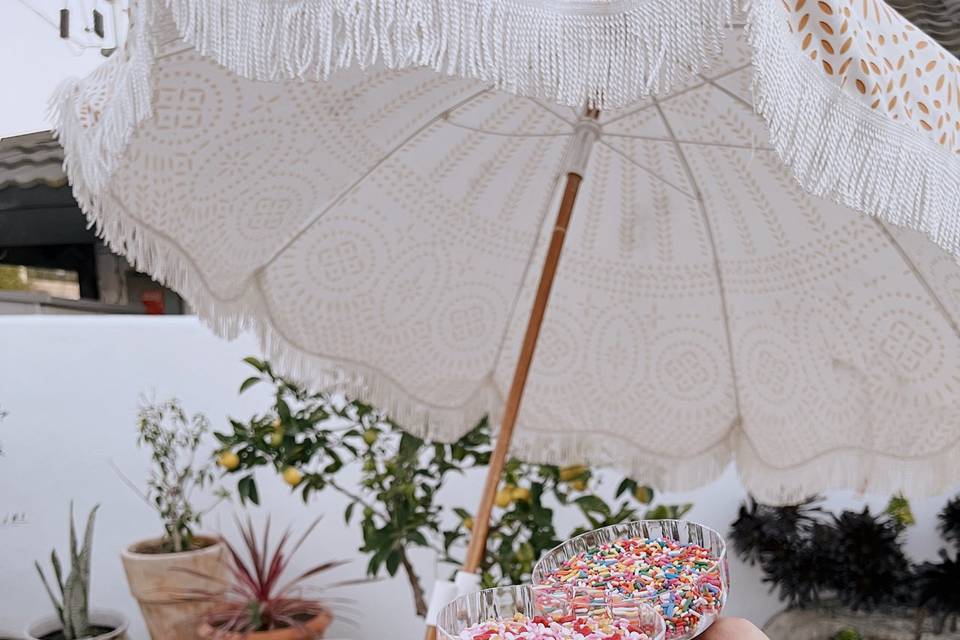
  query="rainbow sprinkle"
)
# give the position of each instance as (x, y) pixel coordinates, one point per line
(569, 627)
(682, 582)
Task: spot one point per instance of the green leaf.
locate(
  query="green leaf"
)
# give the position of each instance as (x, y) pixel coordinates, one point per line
(247, 488)
(417, 538)
(593, 504)
(348, 513)
(255, 363)
(626, 485)
(249, 382)
(393, 562)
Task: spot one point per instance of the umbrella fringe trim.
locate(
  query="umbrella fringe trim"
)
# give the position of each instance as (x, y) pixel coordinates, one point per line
(610, 55)
(839, 148)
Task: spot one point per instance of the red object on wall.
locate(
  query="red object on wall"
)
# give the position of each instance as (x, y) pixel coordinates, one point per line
(153, 302)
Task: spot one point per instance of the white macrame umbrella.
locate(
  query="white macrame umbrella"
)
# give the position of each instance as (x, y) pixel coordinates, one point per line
(373, 187)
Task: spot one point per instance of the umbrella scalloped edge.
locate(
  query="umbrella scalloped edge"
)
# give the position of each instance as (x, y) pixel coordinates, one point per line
(897, 175)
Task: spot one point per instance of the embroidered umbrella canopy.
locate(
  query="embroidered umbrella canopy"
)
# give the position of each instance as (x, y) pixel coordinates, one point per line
(760, 263)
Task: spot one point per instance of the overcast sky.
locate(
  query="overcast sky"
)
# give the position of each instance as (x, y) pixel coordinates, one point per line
(33, 59)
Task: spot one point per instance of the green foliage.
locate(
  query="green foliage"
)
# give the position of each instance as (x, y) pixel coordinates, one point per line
(73, 603)
(173, 440)
(398, 505)
(899, 509)
(847, 634)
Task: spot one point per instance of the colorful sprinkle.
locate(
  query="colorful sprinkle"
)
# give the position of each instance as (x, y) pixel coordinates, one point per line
(682, 582)
(569, 627)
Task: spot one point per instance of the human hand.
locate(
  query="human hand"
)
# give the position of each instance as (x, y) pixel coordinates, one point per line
(733, 629)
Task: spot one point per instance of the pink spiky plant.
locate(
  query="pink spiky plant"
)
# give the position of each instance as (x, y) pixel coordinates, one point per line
(257, 597)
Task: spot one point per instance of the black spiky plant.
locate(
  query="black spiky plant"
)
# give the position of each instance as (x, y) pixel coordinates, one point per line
(778, 538)
(949, 520)
(761, 531)
(870, 569)
(937, 587)
(855, 557)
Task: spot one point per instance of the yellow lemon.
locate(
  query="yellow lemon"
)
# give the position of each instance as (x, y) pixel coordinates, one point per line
(292, 476)
(519, 493)
(525, 552)
(468, 523)
(275, 439)
(228, 460)
(572, 473)
(643, 494)
(578, 485)
(370, 436)
(276, 424)
(504, 497)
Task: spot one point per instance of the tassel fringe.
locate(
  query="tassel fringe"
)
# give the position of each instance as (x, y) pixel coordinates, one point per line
(609, 55)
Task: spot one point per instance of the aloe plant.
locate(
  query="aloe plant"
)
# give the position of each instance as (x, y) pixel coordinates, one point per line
(74, 602)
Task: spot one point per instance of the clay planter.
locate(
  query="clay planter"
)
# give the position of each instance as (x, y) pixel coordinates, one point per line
(98, 617)
(159, 585)
(314, 629)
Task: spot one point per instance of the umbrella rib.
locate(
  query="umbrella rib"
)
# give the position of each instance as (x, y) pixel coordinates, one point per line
(504, 134)
(727, 145)
(677, 94)
(556, 115)
(937, 300)
(648, 170)
(724, 305)
(366, 174)
(713, 83)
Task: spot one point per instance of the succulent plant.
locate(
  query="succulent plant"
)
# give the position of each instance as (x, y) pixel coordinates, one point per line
(73, 603)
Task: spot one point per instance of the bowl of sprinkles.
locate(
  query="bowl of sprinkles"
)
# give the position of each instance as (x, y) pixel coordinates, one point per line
(547, 613)
(678, 567)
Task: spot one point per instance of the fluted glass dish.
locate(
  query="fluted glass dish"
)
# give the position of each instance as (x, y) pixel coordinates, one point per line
(681, 531)
(503, 603)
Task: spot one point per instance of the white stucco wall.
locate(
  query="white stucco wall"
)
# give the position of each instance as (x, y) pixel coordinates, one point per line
(72, 384)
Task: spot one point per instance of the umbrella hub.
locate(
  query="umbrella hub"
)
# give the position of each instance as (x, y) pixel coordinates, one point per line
(585, 132)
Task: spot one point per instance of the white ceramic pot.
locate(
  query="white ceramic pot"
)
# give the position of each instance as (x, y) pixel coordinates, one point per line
(159, 584)
(99, 617)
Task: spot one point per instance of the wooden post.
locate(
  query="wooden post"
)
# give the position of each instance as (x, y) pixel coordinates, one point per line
(481, 522)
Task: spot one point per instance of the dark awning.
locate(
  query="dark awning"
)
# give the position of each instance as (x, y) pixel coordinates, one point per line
(30, 160)
(37, 208)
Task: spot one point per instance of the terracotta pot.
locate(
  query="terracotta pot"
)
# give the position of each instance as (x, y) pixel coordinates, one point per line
(315, 628)
(99, 617)
(158, 584)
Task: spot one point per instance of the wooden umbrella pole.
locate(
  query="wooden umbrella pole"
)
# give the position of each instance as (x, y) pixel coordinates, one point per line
(585, 133)
(481, 521)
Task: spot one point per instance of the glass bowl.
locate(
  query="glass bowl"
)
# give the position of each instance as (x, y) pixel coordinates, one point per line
(503, 603)
(681, 531)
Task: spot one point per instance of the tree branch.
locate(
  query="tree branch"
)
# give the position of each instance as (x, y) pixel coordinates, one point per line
(419, 598)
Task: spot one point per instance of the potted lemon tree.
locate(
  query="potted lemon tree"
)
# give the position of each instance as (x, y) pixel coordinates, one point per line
(70, 595)
(161, 569)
